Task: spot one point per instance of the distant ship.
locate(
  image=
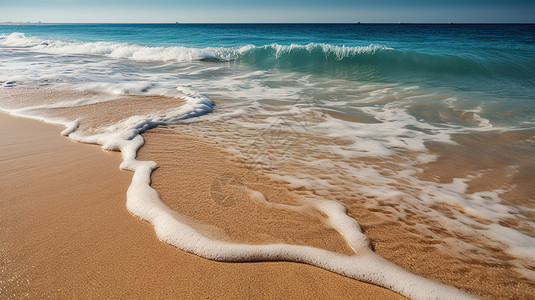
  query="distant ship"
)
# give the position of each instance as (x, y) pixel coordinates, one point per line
(401, 23)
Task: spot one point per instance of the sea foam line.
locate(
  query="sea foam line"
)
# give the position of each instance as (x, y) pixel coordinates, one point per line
(180, 53)
(144, 202)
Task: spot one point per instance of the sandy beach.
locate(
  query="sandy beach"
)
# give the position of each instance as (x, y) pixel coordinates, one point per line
(315, 160)
(67, 234)
(79, 238)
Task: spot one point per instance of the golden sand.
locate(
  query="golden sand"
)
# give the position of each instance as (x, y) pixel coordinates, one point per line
(66, 233)
(191, 163)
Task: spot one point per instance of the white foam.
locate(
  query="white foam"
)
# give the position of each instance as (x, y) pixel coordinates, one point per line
(71, 128)
(144, 202)
(425, 158)
(172, 53)
(382, 139)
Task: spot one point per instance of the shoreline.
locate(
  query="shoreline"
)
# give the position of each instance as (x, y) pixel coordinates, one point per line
(423, 257)
(93, 246)
(144, 202)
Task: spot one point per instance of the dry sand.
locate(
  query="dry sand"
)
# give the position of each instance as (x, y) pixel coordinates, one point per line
(66, 233)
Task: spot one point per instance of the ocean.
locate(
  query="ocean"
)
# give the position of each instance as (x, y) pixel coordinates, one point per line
(429, 128)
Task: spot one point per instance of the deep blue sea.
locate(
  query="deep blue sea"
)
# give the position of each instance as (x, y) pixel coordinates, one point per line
(428, 122)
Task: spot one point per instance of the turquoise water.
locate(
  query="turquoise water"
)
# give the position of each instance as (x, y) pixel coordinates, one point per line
(490, 64)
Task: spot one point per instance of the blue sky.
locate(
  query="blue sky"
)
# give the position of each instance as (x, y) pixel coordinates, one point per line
(213, 11)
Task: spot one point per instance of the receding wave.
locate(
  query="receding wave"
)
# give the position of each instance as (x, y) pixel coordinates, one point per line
(367, 60)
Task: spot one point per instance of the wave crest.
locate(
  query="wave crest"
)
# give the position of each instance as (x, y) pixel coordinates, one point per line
(182, 54)
(360, 60)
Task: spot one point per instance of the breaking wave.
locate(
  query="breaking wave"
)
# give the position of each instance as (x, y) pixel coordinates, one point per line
(368, 60)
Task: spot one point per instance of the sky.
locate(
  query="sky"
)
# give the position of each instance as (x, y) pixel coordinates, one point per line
(271, 11)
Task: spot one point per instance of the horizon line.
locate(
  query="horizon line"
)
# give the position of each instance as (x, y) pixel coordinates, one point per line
(297, 23)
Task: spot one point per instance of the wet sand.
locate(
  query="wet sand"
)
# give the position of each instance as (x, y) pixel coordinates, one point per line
(200, 182)
(197, 172)
(396, 239)
(66, 233)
